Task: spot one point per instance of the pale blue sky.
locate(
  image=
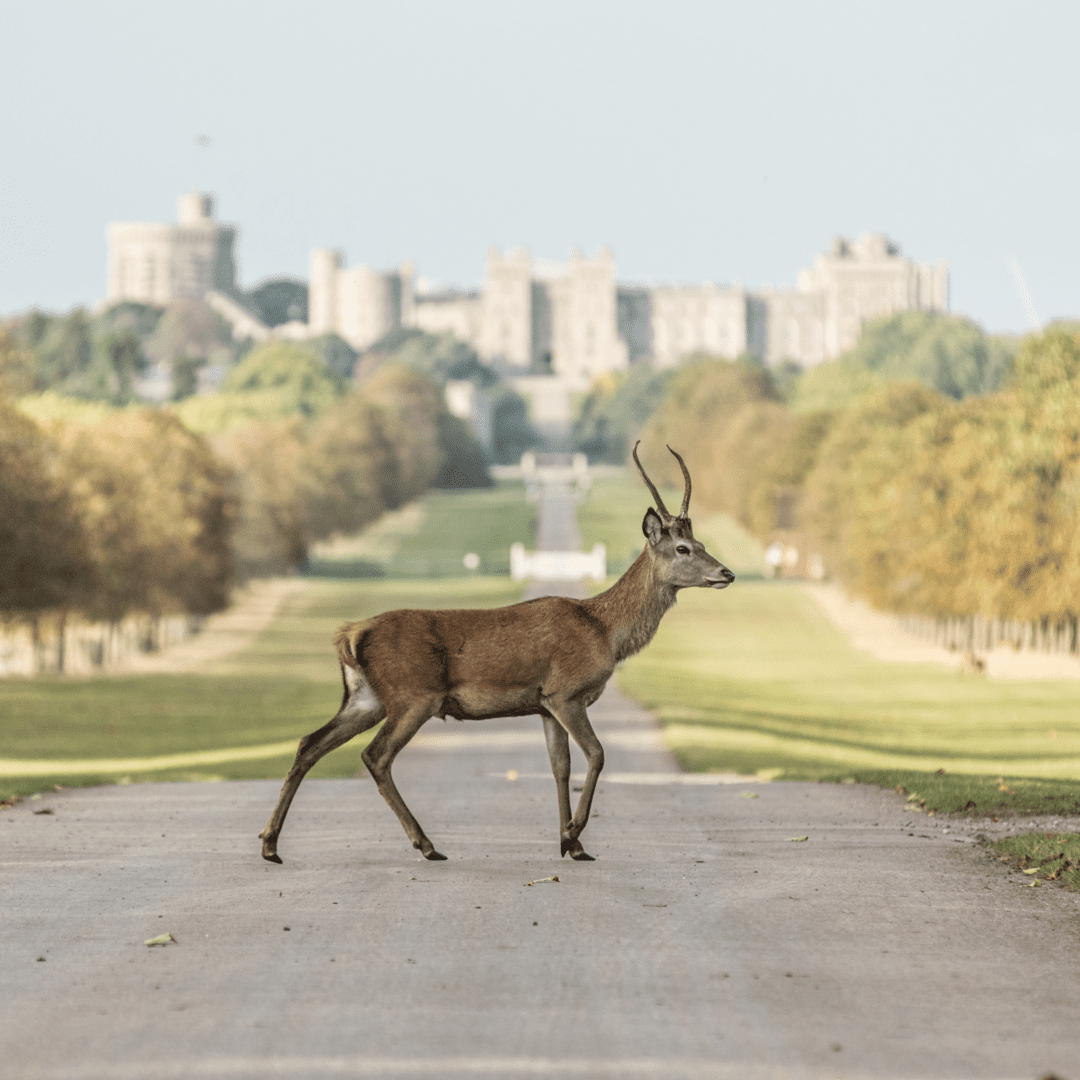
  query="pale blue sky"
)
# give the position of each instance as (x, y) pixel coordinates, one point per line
(700, 140)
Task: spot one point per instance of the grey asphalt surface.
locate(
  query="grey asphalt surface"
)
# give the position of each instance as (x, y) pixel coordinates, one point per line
(703, 942)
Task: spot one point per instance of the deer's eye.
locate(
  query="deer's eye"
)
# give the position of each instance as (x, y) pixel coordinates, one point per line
(682, 549)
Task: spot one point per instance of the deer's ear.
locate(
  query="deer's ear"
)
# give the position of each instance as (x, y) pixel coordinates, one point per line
(652, 527)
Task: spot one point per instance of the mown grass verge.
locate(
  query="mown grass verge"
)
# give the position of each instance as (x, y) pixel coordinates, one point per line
(756, 680)
(995, 797)
(284, 685)
(1043, 856)
(431, 537)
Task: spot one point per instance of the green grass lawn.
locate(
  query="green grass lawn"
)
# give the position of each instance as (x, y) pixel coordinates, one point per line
(1043, 856)
(431, 537)
(756, 680)
(283, 686)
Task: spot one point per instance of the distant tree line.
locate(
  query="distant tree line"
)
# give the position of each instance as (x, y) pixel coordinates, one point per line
(953, 493)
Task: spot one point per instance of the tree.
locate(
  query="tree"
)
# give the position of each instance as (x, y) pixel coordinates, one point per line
(278, 300)
(289, 378)
(188, 330)
(271, 466)
(17, 375)
(156, 510)
(610, 416)
(944, 352)
(440, 357)
(729, 413)
(44, 565)
(63, 347)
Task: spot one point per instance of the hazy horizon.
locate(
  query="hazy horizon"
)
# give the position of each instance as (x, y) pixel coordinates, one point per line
(698, 141)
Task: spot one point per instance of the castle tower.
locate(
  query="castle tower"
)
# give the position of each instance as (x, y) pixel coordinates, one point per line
(506, 330)
(325, 266)
(158, 262)
(584, 319)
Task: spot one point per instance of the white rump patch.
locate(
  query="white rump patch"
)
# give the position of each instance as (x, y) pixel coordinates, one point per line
(362, 698)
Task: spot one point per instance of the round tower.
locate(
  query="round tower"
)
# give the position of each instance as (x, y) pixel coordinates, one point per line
(322, 291)
(194, 208)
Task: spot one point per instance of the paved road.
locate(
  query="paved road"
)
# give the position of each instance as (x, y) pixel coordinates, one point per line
(703, 942)
(556, 524)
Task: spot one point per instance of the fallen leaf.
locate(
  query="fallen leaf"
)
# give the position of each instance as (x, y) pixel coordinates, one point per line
(1033, 870)
(1030, 884)
(540, 881)
(161, 939)
(797, 839)
(749, 795)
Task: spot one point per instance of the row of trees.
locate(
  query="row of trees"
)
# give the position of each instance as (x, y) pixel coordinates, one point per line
(109, 511)
(924, 502)
(127, 512)
(302, 480)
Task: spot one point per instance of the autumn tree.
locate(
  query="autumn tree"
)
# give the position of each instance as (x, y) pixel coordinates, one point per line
(45, 564)
(156, 510)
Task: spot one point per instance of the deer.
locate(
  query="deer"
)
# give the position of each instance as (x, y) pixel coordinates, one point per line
(551, 656)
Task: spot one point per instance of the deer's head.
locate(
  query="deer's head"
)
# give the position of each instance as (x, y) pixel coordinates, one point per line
(681, 561)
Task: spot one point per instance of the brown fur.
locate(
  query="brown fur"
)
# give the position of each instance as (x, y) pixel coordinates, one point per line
(550, 657)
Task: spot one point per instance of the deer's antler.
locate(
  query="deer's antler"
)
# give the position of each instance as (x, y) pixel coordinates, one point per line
(664, 512)
(686, 479)
(650, 485)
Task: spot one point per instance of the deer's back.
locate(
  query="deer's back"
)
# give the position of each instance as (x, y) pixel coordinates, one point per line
(484, 662)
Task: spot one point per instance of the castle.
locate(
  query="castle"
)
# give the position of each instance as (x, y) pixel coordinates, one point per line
(550, 327)
(158, 262)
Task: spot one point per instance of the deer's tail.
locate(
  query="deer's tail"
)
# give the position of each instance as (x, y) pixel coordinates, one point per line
(346, 641)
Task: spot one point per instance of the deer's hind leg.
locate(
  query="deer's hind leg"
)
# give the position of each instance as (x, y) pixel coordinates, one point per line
(379, 756)
(558, 746)
(360, 710)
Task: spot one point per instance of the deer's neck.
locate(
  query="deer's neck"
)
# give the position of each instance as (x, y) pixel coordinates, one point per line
(632, 608)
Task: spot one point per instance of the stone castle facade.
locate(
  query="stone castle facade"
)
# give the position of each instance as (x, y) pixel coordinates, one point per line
(551, 328)
(157, 262)
(575, 320)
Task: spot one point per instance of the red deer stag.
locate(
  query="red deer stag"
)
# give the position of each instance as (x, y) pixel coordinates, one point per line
(551, 656)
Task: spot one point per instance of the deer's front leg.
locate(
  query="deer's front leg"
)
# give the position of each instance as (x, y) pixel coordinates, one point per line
(558, 747)
(573, 718)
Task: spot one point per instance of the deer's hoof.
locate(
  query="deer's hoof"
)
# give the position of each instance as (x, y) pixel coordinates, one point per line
(272, 856)
(574, 849)
(434, 856)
